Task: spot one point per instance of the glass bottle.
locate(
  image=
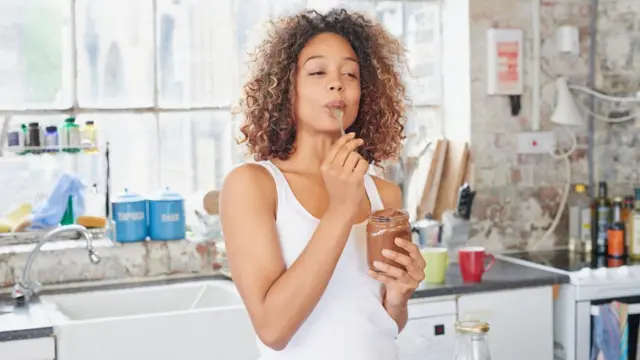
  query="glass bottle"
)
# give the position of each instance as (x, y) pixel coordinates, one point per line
(634, 228)
(580, 220)
(24, 139)
(627, 210)
(51, 142)
(472, 340)
(35, 141)
(89, 137)
(70, 135)
(601, 220)
(615, 234)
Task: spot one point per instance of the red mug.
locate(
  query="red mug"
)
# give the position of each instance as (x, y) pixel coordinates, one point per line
(471, 261)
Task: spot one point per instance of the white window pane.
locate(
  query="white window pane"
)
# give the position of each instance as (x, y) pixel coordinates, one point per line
(323, 5)
(133, 151)
(363, 6)
(196, 150)
(390, 14)
(35, 54)
(286, 7)
(195, 47)
(250, 18)
(422, 40)
(115, 53)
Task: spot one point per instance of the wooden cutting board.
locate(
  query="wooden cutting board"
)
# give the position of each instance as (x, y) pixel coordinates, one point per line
(432, 185)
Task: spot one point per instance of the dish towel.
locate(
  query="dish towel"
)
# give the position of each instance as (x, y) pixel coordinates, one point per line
(49, 214)
(610, 332)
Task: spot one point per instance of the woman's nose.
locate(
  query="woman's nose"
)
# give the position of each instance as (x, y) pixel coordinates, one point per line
(335, 85)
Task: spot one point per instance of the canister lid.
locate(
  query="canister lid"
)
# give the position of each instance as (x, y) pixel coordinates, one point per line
(167, 195)
(127, 196)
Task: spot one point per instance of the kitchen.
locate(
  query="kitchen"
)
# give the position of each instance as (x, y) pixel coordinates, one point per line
(176, 130)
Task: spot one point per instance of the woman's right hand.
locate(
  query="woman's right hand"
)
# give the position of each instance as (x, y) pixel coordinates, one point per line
(343, 172)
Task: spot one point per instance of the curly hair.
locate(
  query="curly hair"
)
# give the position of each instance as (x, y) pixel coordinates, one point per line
(269, 127)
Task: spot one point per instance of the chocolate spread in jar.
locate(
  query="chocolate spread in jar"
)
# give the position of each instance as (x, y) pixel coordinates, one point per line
(383, 227)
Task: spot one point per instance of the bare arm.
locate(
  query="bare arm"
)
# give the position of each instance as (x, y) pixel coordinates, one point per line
(278, 299)
(392, 198)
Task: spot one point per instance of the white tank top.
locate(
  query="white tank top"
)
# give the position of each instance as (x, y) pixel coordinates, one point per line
(349, 321)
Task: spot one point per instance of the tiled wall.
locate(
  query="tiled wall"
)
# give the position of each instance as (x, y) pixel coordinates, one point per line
(518, 195)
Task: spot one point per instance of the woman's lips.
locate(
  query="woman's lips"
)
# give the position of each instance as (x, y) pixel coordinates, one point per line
(336, 104)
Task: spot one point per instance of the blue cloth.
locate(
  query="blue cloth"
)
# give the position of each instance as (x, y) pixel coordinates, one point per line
(610, 332)
(50, 213)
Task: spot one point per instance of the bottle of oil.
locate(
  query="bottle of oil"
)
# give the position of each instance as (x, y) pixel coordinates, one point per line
(627, 211)
(601, 220)
(615, 235)
(634, 228)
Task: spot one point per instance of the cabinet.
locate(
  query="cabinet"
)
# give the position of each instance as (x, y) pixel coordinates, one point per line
(29, 349)
(429, 333)
(521, 321)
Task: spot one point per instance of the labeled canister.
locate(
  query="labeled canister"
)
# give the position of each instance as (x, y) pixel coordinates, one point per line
(129, 213)
(166, 216)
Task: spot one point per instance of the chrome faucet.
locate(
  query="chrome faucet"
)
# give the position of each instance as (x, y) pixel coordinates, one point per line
(25, 289)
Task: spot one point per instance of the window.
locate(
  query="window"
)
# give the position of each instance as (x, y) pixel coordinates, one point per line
(159, 78)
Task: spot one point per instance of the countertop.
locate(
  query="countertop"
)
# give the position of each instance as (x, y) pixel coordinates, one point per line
(32, 321)
(23, 323)
(503, 275)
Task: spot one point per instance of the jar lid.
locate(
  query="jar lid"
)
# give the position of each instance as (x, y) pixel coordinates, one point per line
(388, 214)
(34, 124)
(472, 327)
(127, 196)
(51, 128)
(70, 120)
(167, 195)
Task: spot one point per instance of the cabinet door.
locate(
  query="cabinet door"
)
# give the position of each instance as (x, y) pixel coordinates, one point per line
(429, 338)
(30, 349)
(521, 321)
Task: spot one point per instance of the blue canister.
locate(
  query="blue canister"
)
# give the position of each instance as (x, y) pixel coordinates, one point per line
(166, 216)
(129, 212)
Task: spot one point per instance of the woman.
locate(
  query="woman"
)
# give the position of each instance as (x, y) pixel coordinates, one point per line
(294, 221)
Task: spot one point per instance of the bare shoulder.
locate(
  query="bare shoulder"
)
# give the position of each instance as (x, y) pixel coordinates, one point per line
(390, 192)
(248, 181)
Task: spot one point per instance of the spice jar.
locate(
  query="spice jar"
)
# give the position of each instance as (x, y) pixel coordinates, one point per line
(383, 227)
(34, 135)
(51, 139)
(472, 340)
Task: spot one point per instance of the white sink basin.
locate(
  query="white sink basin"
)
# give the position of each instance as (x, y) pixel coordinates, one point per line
(196, 321)
(144, 300)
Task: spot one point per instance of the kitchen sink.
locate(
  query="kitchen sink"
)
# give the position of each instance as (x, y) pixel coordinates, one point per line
(143, 300)
(196, 320)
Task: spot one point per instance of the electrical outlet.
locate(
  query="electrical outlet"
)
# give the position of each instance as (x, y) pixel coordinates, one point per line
(536, 142)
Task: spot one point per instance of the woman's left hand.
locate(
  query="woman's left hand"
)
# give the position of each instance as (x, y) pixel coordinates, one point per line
(400, 284)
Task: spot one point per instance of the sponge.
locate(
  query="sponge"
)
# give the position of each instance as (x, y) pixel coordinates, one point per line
(14, 218)
(92, 222)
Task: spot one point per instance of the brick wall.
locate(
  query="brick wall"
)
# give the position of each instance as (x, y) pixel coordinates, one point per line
(518, 195)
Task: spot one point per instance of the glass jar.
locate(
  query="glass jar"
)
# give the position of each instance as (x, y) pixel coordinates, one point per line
(472, 340)
(383, 227)
(35, 133)
(70, 136)
(51, 139)
(88, 134)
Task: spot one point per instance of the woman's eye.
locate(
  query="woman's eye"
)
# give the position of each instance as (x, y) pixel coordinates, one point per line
(352, 75)
(315, 73)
